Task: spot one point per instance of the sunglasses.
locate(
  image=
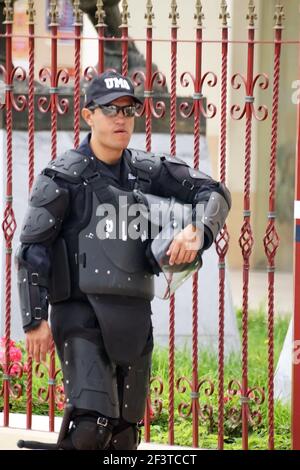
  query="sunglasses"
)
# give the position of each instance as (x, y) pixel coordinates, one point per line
(112, 110)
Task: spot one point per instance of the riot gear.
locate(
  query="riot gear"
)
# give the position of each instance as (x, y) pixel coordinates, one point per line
(111, 261)
(90, 377)
(32, 287)
(87, 433)
(104, 282)
(48, 204)
(188, 182)
(127, 439)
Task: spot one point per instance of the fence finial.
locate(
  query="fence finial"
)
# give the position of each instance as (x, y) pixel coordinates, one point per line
(174, 15)
(53, 13)
(100, 14)
(125, 14)
(199, 15)
(77, 12)
(30, 12)
(251, 16)
(149, 15)
(224, 14)
(8, 12)
(279, 16)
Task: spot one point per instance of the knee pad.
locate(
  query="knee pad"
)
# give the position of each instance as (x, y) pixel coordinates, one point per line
(90, 377)
(127, 439)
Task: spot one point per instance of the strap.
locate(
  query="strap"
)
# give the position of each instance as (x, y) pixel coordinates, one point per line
(98, 185)
(34, 278)
(143, 180)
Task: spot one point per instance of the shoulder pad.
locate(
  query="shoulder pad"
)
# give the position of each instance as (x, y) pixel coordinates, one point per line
(199, 175)
(145, 161)
(70, 165)
(48, 204)
(44, 191)
(176, 160)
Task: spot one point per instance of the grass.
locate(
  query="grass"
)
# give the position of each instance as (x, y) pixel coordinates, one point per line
(208, 370)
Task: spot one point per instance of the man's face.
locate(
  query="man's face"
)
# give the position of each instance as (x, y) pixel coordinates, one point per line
(111, 132)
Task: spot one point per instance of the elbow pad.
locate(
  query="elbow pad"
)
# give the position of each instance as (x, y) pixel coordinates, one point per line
(212, 219)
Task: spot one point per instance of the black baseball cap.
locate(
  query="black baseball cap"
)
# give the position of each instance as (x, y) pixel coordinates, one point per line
(107, 87)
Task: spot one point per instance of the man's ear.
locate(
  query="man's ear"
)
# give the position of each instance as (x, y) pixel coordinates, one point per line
(87, 116)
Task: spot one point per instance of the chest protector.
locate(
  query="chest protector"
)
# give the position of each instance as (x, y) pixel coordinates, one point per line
(111, 256)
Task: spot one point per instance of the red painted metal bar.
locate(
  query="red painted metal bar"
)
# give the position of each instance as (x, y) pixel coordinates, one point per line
(31, 107)
(173, 97)
(8, 224)
(100, 49)
(246, 239)
(124, 45)
(295, 399)
(30, 182)
(53, 90)
(51, 388)
(77, 27)
(147, 419)
(148, 89)
(172, 299)
(197, 114)
(222, 241)
(148, 117)
(100, 26)
(171, 380)
(271, 239)
(124, 36)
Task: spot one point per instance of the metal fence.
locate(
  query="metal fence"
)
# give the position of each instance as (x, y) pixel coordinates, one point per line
(53, 105)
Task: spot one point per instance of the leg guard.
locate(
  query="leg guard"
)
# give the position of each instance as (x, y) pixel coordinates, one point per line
(127, 439)
(90, 377)
(88, 433)
(135, 388)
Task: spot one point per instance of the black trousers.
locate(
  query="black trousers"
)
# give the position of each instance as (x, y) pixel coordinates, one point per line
(79, 318)
(74, 318)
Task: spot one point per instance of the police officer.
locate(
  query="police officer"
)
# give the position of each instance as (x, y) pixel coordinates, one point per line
(100, 286)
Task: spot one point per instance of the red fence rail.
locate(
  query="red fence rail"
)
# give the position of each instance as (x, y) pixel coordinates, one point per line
(54, 105)
(296, 332)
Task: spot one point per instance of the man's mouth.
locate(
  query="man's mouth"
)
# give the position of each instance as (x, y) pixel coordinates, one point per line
(120, 131)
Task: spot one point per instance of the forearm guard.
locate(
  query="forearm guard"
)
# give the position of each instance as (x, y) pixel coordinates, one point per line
(32, 288)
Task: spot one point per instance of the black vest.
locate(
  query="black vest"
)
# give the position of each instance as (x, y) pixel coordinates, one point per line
(111, 260)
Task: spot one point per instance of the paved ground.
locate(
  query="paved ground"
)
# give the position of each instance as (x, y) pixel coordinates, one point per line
(10, 436)
(40, 425)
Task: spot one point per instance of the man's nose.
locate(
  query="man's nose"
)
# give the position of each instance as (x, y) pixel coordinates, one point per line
(120, 115)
